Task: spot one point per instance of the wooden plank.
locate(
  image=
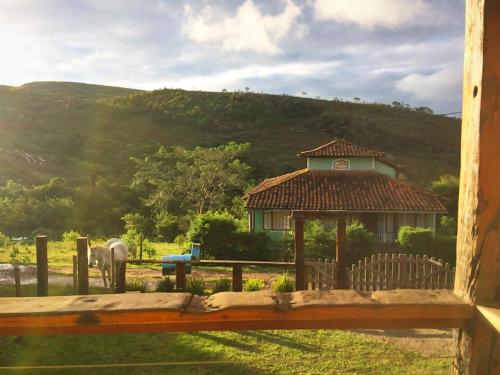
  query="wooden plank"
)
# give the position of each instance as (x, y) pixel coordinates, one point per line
(237, 278)
(83, 265)
(340, 252)
(478, 240)
(121, 278)
(492, 315)
(160, 312)
(228, 263)
(42, 266)
(299, 253)
(17, 280)
(180, 276)
(75, 274)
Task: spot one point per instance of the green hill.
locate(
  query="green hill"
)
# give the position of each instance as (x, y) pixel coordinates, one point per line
(82, 131)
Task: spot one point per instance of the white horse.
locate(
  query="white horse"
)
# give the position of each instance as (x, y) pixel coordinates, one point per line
(101, 255)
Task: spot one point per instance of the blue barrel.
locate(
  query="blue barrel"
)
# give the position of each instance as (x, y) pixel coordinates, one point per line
(169, 268)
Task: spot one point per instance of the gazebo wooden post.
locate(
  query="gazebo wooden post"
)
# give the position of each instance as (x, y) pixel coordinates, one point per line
(478, 242)
(300, 271)
(340, 252)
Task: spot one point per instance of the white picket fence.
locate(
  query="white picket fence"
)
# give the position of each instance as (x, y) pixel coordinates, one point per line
(384, 272)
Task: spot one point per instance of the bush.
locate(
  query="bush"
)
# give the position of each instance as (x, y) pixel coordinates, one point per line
(166, 227)
(4, 240)
(220, 239)
(214, 230)
(445, 247)
(148, 248)
(136, 285)
(71, 236)
(319, 242)
(253, 285)
(415, 240)
(360, 243)
(283, 284)
(166, 285)
(222, 285)
(447, 226)
(196, 285)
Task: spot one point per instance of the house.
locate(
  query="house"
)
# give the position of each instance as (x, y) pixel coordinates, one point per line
(345, 178)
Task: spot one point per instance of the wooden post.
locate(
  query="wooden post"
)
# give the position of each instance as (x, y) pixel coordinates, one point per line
(237, 278)
(340, 252)
(141, 242)
(42, 268)
(180, 276)
(75, 274)
(477, 277)
(83, 264)
(121, 283)
(299, 254)
(113, 270)
(17, 280)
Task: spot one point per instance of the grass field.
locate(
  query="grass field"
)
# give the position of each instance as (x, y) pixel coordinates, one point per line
(61, 253)
(250, 352)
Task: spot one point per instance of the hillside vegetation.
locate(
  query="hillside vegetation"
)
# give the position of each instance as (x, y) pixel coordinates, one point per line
(86, 132)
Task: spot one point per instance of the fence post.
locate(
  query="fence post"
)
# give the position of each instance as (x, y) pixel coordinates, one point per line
(17, 280)
(237, 278)
(299, 253)
(83, 264)
(42, 269)
(180, 276)
(75, 274)
(113, 270)
(340, 251)
(121, 266)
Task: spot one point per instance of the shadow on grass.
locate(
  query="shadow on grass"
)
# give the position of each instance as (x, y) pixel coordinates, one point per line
(225, 341)
(281, 340)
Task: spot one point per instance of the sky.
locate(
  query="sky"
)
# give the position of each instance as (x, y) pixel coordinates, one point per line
(376, 50)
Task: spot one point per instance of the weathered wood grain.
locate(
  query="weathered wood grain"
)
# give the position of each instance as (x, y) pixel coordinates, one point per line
(478, 257)
(158, 312)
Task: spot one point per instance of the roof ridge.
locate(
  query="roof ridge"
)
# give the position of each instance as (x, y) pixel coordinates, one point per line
(342, 143)
(272, 181)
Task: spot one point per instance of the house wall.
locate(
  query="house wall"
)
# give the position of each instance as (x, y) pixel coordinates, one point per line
(258, 221)
(355, 164)
(377, 223)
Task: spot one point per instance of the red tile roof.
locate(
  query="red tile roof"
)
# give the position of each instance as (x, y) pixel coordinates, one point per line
(341, 190)
(340, 147)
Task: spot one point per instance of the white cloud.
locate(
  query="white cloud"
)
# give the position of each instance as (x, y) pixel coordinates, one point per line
(440, 85)
(371, 13)
(235, 78)
(247, 30)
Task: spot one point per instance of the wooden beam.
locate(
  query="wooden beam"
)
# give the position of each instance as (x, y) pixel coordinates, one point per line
(42, 267)
(83, 265)
(491, 314)
(300, 267)
(161, 312)
(477, 277)
(340, 253)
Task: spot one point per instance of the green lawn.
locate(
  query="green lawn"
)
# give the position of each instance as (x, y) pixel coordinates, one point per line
(61, 253)
(250, 352)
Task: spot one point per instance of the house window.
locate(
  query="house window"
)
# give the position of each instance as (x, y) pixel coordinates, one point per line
(277, 220)
(421, 222)
(340, 165)
(389, 223)
(268, 220)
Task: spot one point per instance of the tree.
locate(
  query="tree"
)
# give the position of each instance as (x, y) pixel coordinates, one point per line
(180, 180)
(136, 225)
(447, 187)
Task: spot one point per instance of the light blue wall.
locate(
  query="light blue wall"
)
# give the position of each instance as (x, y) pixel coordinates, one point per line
(355, 164)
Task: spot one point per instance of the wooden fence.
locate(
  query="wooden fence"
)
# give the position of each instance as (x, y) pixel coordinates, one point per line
(384, 272)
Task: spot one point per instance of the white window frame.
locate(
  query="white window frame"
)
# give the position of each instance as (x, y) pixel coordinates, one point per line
(344, 160)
